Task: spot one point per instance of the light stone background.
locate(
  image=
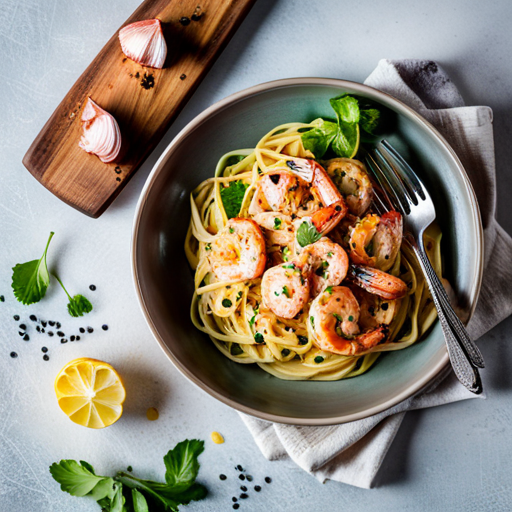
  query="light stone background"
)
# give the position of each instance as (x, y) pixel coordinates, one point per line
(456, 457)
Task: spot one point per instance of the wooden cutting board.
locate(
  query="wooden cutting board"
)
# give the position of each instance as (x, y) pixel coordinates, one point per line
(144, 101)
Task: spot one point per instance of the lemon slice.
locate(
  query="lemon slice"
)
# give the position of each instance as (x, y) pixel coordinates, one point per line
(90, 392)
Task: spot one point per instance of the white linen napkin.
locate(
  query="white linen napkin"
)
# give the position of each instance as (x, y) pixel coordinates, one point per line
(353, 453)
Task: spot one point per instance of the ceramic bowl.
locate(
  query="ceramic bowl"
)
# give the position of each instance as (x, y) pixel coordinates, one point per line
(164, 281)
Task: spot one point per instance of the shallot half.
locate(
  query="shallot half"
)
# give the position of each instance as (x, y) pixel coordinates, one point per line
(144, 43)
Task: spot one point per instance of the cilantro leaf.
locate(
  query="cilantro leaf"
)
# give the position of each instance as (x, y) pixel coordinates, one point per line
(307, 234)
(369, 120)
(31, 280)
(346, 141)
(318, 139)
(79, 305)
(232, 197)
(75, 478)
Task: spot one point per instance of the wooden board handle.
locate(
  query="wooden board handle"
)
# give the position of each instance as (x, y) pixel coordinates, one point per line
(144, 101)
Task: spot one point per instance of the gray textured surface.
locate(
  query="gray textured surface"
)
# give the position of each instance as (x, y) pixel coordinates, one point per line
(457, 457)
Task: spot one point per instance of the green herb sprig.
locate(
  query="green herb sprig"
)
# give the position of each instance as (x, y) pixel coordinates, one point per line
(126, 493)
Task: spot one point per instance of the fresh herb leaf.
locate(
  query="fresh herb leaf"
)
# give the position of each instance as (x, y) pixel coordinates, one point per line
(346, 141)
(369, 120)
(232, 197)
(318, 139)
(76, 479)
(233, 160)
(77, 305)
(182, 465)
(31, 280)
(329, 290)
(307, 234)
(277, 223)
(139, 502)
(338, 317)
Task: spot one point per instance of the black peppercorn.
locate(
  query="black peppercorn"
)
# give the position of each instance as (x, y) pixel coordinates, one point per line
(185, 21)
(46, 357)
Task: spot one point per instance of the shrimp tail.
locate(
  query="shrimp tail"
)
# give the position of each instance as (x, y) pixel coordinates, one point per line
(377, 282)
(370, 339)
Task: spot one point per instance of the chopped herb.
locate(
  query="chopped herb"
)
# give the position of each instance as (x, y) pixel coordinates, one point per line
(208, 247)
(319, 359)
(277, 223)
(329, 290)
(231, 230)
(233, 160)
(291, 265)
(312, 320)
(258, 338)
(350, 318)
(239, 296)
(286, 291)
(307, 234)
(338, 317)
(226, 303)
(286, 252)
(329, 254)
(303, 340)
(232, 197)
(277, 294)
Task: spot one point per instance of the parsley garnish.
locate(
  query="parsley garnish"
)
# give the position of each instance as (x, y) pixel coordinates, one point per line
(319, 359)
(329, 290)
(31, 280)
(226, 303)
(258, 338)
(208, 247)
(239, 296)
(307, 234)
(312, 320)
(291, 265)
(77, 305)
(277, 223)
(125, 492)
(286, 252)
(338, 317)
(232, 197)
(286, 291)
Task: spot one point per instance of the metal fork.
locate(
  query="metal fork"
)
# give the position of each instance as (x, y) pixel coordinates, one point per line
(405, 193)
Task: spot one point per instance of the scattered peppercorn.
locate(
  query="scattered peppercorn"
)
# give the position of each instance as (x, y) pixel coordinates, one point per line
(43, 323)
(385, 306)
(50, 333)
(239, 468)
(60, 334)
(243, 488)
(196, 17)
(38, 329)
(26, 337)
(77, 338)
(129, 468)
(21, 333)
(268, 479)
(236, 506)
(90, 329)
(82, 330)
(14, 355)
(242, 477)
(72, 338)
(23, 327)
(63, 340)
(92, 287)
(46, 357)
(249, 478)
(118, 179)
(244, 496)
(2, 298)
(234, 498)
(58, 325)
(104, 327)
(33, 318)
(16, 317)
(52, 323)
(147, 82)
(184, 21)
(257, 488)
(44, 349)
(183, 76)
(222, 477)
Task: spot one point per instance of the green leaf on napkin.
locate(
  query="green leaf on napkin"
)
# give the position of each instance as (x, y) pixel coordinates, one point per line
(31, 280)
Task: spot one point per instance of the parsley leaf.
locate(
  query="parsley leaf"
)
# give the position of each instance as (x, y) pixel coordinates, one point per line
(124, 492)
(307, 234)
(77, 305)
(31, 280)
(369, 119)
(346, 141)
(232, 197)
(318, 139)
(77, 479)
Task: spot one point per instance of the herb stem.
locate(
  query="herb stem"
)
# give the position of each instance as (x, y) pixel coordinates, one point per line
(60, 282)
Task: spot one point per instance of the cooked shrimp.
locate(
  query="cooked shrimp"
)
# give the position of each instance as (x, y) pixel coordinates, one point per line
(329, 264)
(285, 288)
(374, 310)
(378, 282)
(351, 178)
(238, 252)
(375, 241)
(278, 228)
(333, 205)
(280, 191)
(334, 317)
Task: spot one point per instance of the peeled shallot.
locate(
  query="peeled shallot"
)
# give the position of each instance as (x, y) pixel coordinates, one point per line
(144, 43)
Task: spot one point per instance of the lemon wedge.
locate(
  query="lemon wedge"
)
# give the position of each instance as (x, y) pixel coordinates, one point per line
(90, 392)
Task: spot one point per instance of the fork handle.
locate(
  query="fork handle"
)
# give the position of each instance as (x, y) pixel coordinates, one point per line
(462, 335)
(465, 370)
